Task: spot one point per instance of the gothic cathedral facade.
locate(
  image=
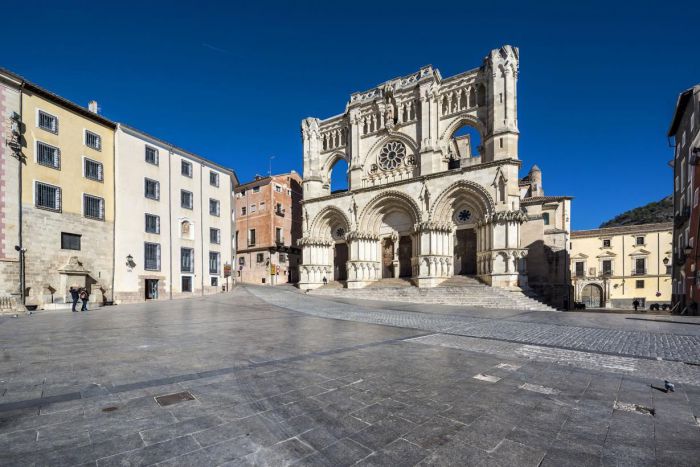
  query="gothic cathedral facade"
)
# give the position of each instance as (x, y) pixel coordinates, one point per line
(426, 199)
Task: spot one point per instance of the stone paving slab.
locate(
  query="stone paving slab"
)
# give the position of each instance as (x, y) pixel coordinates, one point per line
(308, 390)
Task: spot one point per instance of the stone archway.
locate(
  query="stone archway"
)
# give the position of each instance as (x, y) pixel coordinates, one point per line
(331, 225)
(592, 296)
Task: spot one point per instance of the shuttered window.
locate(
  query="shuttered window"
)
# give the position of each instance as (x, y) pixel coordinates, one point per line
(93, 207)
(151, 189)
(47, 196)
(152, 223)
(48, 155)
(47, 122)
(93, 170)
(93, 140)
(151, 260)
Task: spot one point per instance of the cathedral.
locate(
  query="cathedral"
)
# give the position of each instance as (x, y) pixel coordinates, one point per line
(433, 188)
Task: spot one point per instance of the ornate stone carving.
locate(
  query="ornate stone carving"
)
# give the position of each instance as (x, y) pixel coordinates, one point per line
(392, 155)
(312, 241)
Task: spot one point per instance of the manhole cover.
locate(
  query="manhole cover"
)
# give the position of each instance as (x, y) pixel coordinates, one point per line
(170, 399)
(110, 409)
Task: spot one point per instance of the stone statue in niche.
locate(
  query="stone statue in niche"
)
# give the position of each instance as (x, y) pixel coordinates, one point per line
(424, 196)
(185, 229)
(306, 220)
(389, 107)
(353, 210)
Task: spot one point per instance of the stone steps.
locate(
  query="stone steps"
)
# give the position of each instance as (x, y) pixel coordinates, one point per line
(462, 292)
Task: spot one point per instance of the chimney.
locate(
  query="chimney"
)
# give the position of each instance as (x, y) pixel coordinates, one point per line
(93, 107)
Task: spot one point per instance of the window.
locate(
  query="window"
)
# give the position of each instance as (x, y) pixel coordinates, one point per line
(213, 179)
(251, 237)
(93, 207)
(47, 155)
(607, 267)
(187, 283)
(279, 209)
(151, 189)
(256, 189)
(639, 284)
(241, 260)
(215, 281)
(259, 258)
(186, 199)
(70, 241)
(151, 256)
(47, 122)
(214, 208)
(580, 269)
(186, 260)
(545, 218)
(93, 140)
(47, 196)
(278, 189)
(606, 243)
(152, 223)
(639, 241)
(253, 208)
(214, 235)
(93, 170)
(186, 169)
(640, 265)
(214, 259)
(279, 238)
(151, 155)
(283, 258)
(243, 211)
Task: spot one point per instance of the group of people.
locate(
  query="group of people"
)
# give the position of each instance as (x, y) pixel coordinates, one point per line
(79, 294)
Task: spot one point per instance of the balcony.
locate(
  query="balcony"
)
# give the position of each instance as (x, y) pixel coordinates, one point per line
(639, 272)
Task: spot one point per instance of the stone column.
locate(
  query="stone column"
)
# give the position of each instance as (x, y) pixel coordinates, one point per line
(363, 259)
(317, 262)
(434, 261)
(500, 255)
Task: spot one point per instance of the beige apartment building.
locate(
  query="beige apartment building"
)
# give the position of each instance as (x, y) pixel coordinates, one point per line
(613, 267)
(174, 220)
(268, 225)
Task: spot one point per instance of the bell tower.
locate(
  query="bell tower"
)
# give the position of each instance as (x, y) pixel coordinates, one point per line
(501, 69)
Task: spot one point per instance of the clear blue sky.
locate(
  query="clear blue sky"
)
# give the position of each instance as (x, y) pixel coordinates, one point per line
(597, 86)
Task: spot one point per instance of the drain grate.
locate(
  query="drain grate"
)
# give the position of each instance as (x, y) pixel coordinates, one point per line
(627, 407)
(170, 399)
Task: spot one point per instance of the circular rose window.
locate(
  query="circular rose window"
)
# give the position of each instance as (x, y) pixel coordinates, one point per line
(464, 215)
(391, 155)
(339, 233)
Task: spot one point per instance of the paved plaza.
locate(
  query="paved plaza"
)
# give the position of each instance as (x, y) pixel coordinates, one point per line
(278, 377)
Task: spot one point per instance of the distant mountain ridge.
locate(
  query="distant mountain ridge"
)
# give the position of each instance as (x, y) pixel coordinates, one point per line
(656, 211)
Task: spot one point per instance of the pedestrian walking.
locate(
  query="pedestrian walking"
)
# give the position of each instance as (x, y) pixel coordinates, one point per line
(635, 304)
(74, 295)
(84, 297)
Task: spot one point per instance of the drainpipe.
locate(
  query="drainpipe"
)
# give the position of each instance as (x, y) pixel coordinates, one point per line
(201, 222)
(22, 272)
(114, 209)
(170, 220)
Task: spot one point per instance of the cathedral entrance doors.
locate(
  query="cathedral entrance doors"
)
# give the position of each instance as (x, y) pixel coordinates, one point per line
(465, 252)
(387, 258)
(405, 250)
(340, 262)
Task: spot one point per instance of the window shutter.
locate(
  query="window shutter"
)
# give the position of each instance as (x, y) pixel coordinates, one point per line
(157, 190)
(58, 198)
(158, 256)
(158, 225)
(102, 209)
(99, 172)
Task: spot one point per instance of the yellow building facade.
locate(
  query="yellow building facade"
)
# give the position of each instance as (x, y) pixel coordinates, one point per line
(67, 199)
(613, 267)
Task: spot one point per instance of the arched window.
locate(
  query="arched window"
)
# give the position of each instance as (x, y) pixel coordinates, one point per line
(338, 176)
(465, 143)
(545, 218)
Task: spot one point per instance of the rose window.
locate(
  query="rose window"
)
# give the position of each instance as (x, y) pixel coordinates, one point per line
(392, 155)
(339, 232)
(464, 215)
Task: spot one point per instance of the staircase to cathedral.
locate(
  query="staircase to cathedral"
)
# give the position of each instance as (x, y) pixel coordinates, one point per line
(457, 290)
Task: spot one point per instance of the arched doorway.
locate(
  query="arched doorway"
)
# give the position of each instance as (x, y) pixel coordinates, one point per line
(387, 258)
(592, 296)
(465, 252)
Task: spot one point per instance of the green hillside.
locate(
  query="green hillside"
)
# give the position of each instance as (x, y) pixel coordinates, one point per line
(657, 211)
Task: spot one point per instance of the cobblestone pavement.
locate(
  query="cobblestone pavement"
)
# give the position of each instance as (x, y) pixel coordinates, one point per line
(634, 343)
(271, 385)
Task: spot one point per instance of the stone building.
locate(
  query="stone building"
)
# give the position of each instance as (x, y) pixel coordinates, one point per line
(427, 199)
(612, 267)
(173, 220)
(685, 131)
(268, 226)
(10, 156)
(67, 202)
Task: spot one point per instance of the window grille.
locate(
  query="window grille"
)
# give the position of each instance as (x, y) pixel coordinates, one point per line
(186, 199)
(151, 155)
(93, 140)
(93, 170)
(151, 189)
(152, 224)
(47, 155)
(93, 207)
(70, 241)
(186, 260)
(151, 260)
(47, 196)
(48, 122)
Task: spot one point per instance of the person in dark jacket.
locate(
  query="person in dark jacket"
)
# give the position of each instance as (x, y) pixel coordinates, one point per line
(84, 297)
(74, 295)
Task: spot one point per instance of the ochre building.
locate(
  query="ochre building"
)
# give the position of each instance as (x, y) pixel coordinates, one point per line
(612, 267)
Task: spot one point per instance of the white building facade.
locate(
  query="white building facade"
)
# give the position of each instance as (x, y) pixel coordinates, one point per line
(173, 220)
(421, 203)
